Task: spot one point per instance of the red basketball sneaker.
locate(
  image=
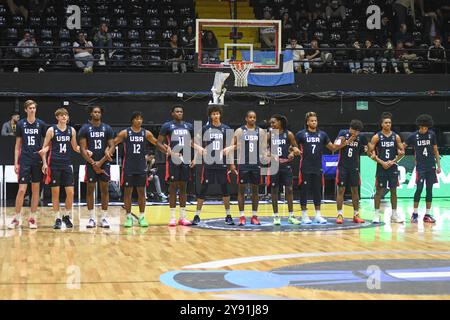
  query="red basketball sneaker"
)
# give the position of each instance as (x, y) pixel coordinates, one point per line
(242, 221)
(428, 219)
(357, 219)
(339, 219)
(254, 220)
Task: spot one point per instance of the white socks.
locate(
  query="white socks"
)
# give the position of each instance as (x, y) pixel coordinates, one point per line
(228, 212)
(197, 213)
(254, 213)
(340, 212)
(91, 214)
(242, 213)
(142, 215)
(291, 214)
(182, 213)
(172, 213)
(317, 213)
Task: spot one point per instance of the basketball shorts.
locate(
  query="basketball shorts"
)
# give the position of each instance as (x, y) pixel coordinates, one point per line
(30, 173)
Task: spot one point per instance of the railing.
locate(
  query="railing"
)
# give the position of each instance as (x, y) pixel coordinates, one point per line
(57, 57)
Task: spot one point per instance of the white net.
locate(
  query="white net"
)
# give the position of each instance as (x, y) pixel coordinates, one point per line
(241, 70)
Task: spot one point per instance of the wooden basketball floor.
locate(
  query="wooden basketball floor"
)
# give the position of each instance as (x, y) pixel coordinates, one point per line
(128, 263)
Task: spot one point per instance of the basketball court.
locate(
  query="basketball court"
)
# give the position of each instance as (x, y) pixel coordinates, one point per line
(215, 261)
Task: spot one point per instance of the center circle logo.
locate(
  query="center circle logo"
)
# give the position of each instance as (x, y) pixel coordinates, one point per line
(268, 226)
(391, 276)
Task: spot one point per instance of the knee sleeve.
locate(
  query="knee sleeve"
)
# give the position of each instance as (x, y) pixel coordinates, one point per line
(418, 192)
(225, 189)
(303, 195)
(429, 195)
(317, 191)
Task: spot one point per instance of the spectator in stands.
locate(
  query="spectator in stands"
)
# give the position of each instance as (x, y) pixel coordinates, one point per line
(335, 9)
(37, 7)
(210, 48)
(152, 174)
(287, 25)
(404, 36)
(389, 56)
(82, 49)
(103, 41)
(403, 55)
(433, 21)
(18, 7)
(299, 56)
(316, 56)
(356, 56)
(369, 57)
(9, 127)
(385, 31)
(27, 50)
(188, 40)
(188, 44)
(436, 56)
(316, 9)
(175, 55)
(400, 8)
(267, 35)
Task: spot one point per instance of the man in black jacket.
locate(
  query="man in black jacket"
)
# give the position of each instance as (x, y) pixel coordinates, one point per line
(437, 56)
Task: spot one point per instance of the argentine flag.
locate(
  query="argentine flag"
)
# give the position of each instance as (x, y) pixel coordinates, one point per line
(268, 79)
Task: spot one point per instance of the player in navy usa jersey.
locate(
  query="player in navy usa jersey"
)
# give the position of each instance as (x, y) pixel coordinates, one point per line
(312, 142)
(178, 135)
(134, 166)
(250, 141)
(59, 139)
(350, 144)
(427, 164)
(386, 149)
(283, 148)
(97, 137)
(214, 165)
(30, 134)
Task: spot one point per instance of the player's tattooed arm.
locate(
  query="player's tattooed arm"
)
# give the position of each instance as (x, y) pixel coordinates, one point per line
(44, 150)
(151, 138)
(234, 146)
(294, 146)
(400, 150)
(438, 159)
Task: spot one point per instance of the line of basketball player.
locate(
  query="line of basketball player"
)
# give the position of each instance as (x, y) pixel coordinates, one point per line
(42, 151)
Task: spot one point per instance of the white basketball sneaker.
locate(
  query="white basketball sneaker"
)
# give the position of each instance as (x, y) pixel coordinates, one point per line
(395, 218)
(16, 222)
(320, 219)
(376, 218)
(32, 223)
(306, 219)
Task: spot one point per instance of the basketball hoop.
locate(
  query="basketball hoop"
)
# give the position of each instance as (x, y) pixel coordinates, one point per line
(241, 70)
